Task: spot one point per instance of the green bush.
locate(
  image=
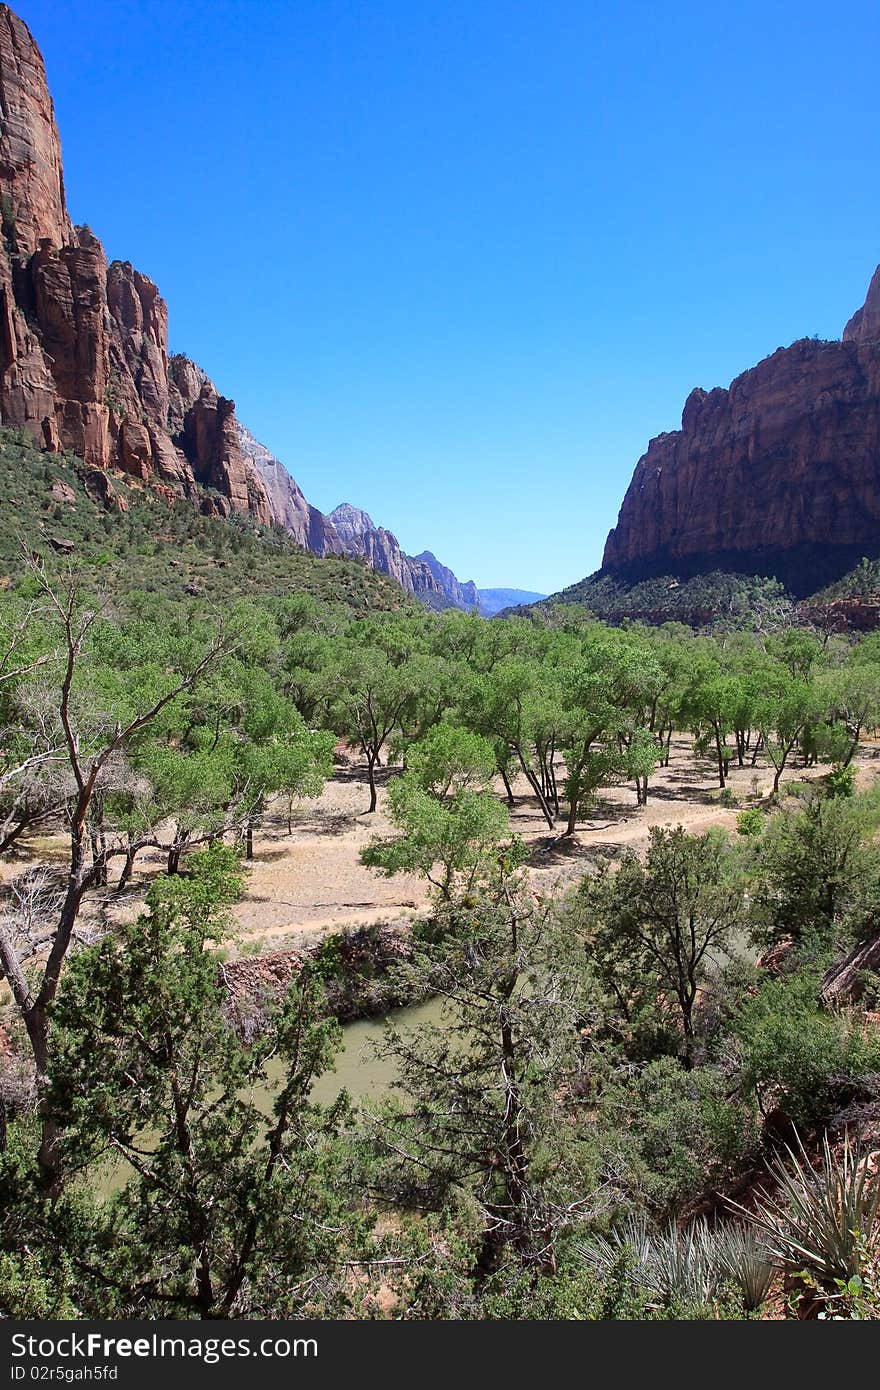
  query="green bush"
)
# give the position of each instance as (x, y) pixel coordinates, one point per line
(841, 781)
(673, 1135)
(796, 1055)
(750, 822)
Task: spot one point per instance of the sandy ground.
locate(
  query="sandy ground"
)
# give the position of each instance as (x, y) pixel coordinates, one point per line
(308, 881)
(312, 881)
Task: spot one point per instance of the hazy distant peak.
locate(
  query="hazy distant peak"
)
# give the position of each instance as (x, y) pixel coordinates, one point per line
(350, 520)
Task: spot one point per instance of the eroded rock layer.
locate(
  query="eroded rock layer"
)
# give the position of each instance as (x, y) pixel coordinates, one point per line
(779, 474)
(84, 345)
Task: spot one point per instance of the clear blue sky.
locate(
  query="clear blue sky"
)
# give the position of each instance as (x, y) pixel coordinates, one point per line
(457, 261)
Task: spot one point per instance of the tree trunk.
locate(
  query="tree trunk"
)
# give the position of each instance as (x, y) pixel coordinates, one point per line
(371, 777)
(507, 787)
(533, 783)
(127, 869)
(722, 779)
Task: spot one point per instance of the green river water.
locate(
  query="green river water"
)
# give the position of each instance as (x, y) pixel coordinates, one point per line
(358, 1070)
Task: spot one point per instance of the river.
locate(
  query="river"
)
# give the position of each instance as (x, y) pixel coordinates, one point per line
(358, 1070)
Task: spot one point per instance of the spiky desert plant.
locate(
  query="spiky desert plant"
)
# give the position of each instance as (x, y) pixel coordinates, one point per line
(826, 1220)
(670, 1264)
(742, 1256)
(681, 1263)
(602, 1253)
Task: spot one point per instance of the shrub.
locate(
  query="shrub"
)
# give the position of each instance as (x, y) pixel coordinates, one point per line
(826, 1221)
(841, 781)
(674, 1134)
(796, 1054)
(750, 822)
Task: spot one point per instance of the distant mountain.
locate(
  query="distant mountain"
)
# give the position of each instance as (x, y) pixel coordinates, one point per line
(491, 601)
(381, 549)
(457, 595)
(351, 531)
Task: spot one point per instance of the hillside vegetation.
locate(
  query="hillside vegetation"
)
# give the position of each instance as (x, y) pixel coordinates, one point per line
(161, 547)
(707, 600)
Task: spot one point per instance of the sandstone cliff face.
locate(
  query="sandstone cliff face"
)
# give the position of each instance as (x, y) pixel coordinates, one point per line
(455, 593)
(83, 345)
(309, 528)
(381, 549)
(779, 474)
(84, 359)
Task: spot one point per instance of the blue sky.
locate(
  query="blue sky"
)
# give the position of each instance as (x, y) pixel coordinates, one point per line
(458, 261)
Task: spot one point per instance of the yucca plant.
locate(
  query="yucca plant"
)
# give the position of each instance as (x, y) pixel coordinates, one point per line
(602, 1253)
(824, 1220)
(681, 1263)
(670, 1264)
(742, 1256)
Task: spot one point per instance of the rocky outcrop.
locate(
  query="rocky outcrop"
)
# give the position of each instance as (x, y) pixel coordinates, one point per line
(779, 474)
(309, 528)
(856, 614)
(864, 326)
(367, 982)
(83, 345)
(851, 978)
(380, 548)
(456, 594)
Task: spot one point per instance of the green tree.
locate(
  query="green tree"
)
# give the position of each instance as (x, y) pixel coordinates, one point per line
(669, 921)
(107, 689)
(228, 1214)
(817, 873)
(450, 827)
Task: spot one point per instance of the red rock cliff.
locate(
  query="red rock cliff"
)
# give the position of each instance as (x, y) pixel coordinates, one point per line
(83, 345)
(779, 474)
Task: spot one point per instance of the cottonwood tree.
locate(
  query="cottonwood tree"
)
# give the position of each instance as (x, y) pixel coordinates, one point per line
(370, 695)
(508, 706)
(449, 826)
(785, 711)
(852, 697)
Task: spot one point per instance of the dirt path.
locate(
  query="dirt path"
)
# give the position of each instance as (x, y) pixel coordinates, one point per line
(308, 881)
